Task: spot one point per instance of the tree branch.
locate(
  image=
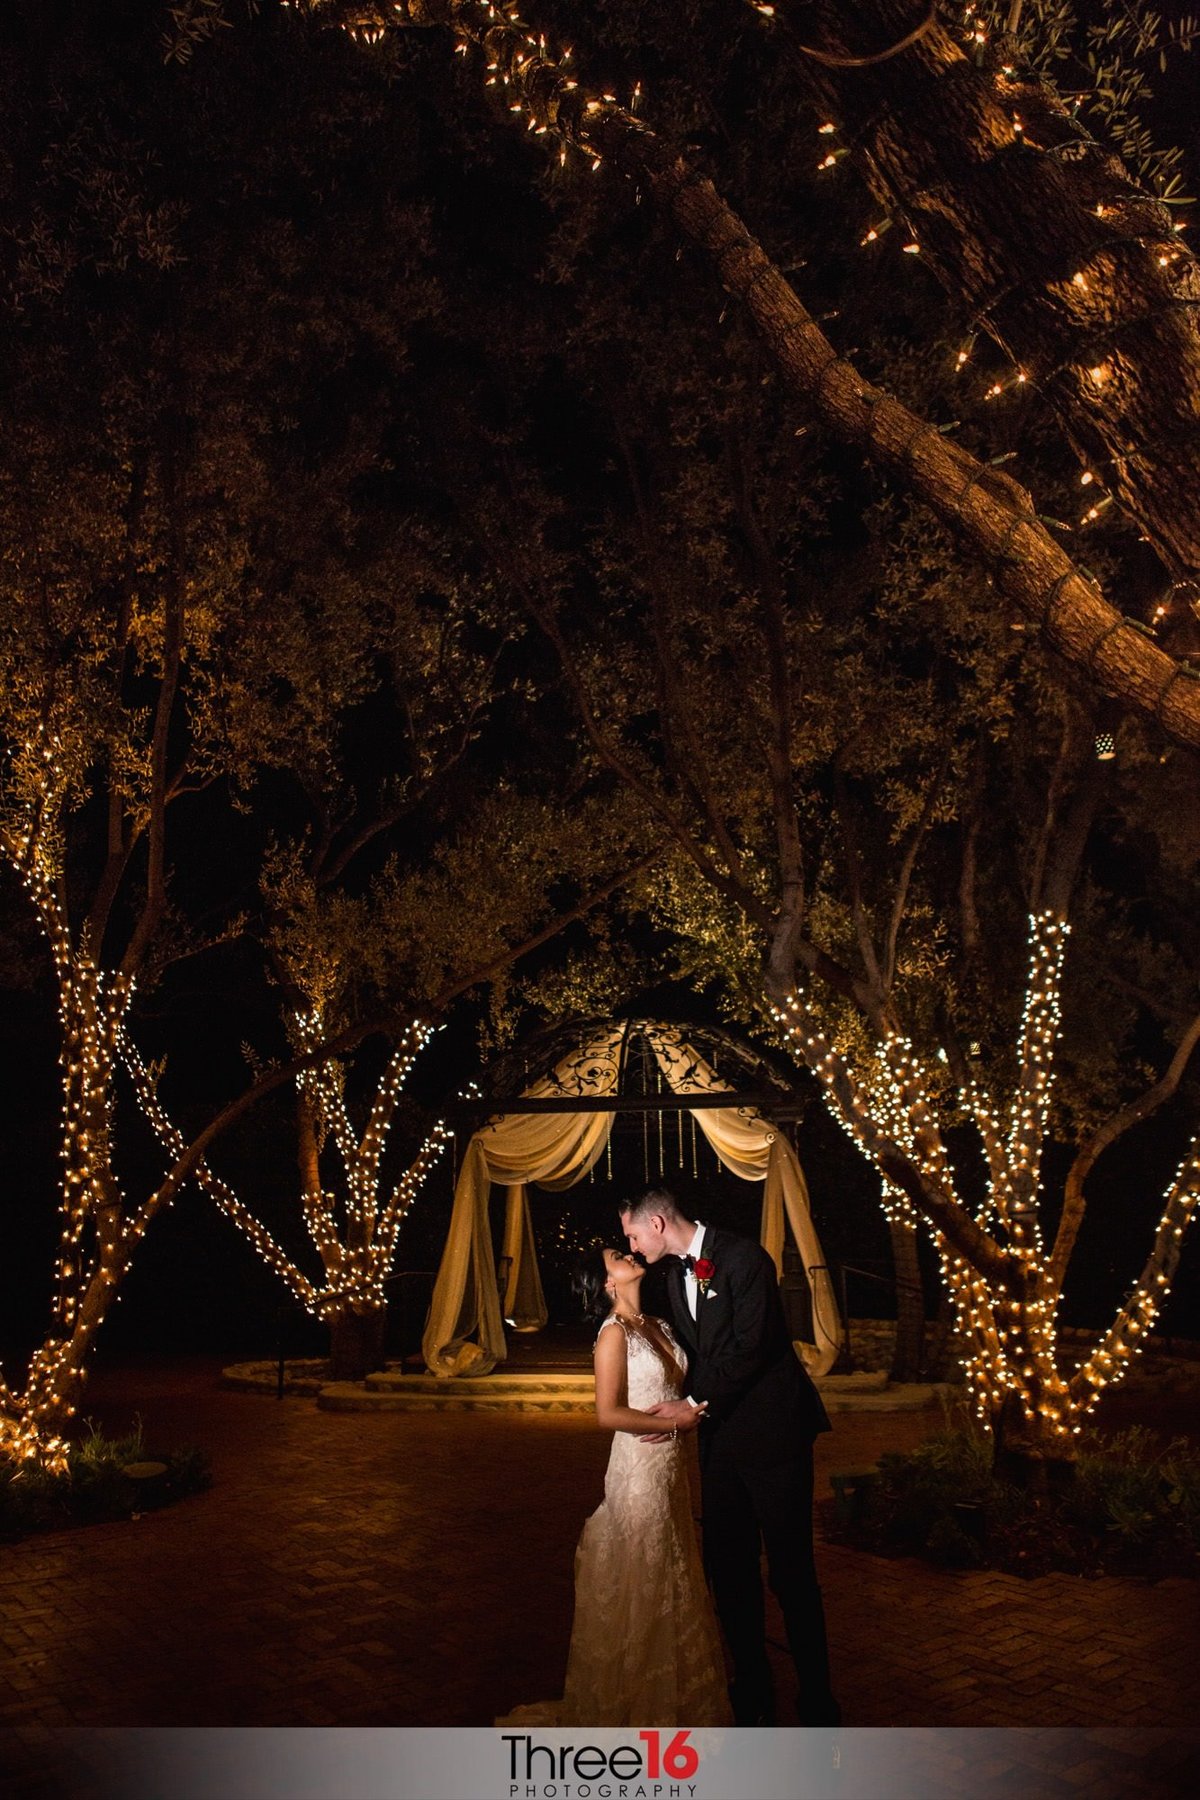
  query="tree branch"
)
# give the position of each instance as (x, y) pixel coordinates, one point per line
(175, 599)
(852, 862)
(995, 518)
(772, 594)
(906, 870)
(543, 936)
(674, 714)
(1075, 1203)
(722, 880)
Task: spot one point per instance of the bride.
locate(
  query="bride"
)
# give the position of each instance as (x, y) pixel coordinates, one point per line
(644, 1643)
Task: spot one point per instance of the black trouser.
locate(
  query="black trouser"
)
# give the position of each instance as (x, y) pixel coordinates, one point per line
(746, 1509)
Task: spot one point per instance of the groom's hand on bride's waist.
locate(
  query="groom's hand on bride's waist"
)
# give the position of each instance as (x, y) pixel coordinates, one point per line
(677, 1416)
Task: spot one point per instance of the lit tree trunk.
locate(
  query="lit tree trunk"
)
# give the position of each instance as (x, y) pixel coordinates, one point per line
(100, 1231)
(1028, 1408)
(1002, 1280)
(94, 1236)
(356, 1340)
(1026, 1451)
(357, 1326)
(994, 517)
(355, 1240)
(937, 1364)
(308, 1146)
(1055, 252)
(356, 1247)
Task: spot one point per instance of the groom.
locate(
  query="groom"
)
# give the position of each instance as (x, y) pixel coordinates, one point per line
(756, 1462)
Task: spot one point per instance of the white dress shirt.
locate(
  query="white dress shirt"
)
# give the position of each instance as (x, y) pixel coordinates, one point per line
(690, 1285)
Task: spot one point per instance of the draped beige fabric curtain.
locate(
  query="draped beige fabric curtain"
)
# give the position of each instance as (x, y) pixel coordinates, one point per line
(464, 1334)
(554, 1149)
(524, 1301)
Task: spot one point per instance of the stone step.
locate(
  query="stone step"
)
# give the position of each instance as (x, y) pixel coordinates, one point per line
(541, 1391)
(449, 1396)
(560, 1393)
(899, 1397)
(863, 1381)
(301, 1375)
(500, 1383)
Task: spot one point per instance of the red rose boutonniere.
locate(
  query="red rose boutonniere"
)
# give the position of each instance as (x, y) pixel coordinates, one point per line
(703, 1269)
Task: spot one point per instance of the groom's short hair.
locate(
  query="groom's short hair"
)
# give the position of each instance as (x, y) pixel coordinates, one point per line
(654, 1200)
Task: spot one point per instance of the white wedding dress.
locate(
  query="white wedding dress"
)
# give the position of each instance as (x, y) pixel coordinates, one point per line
(644, 1643)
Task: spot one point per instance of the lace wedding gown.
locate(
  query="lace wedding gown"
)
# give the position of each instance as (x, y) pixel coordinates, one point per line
(644, 1644)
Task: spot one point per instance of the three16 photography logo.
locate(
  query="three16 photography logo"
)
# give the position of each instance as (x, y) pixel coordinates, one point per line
(660, 1765)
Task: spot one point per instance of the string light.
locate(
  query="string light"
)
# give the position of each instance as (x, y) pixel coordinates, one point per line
(999, 1284)
(98, 1230)
(92, 1002)
(357, 1258)
(1007, 1315)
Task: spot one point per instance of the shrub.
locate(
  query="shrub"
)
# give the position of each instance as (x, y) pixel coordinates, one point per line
(95, 1486)
(1132, 1508)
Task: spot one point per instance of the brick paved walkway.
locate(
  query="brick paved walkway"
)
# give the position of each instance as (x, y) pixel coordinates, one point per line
(349, 1569)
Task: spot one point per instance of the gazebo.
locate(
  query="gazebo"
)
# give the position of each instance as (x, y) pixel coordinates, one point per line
(550, 1129)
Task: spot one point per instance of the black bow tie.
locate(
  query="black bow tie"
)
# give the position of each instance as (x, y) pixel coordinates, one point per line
(687, 1263)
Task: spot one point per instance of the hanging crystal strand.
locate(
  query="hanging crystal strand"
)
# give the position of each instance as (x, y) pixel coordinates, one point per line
(609, 1148)
(716, 1084)
(646, 1146)
(695, 1150)
(679, 1135)
(662, 1166)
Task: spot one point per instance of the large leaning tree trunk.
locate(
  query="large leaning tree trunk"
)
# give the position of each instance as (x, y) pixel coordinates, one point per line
(1042, 234)
(992, 515)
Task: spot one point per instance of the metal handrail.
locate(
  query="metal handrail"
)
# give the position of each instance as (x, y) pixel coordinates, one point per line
(888, 1281)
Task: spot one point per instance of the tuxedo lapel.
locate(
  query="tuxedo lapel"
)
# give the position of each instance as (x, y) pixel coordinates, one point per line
(679, 1306)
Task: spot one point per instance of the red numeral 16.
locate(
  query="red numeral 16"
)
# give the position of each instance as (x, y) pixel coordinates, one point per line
(679, 1760)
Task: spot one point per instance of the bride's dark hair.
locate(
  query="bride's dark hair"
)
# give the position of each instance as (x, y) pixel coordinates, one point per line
(588, 1278)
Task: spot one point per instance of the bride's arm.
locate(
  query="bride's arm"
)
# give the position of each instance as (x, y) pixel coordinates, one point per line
(611, 1412)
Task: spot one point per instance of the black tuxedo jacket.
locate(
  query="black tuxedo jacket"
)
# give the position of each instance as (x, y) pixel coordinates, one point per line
(740, 1355)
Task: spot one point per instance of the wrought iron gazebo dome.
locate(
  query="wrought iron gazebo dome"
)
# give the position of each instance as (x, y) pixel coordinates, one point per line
(563, 1058)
